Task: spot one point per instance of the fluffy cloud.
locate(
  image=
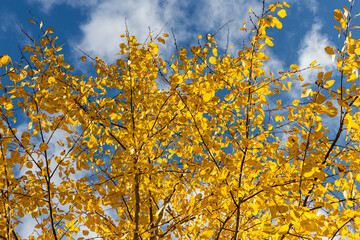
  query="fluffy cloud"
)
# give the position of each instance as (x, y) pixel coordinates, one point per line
(106, 20)
(312, 48)
(313, 45)
(101, 33)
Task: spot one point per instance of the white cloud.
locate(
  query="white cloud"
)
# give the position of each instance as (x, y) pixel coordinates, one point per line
(312, 48)
(220, 12)
(208, 16)
(106, 20)
(274, 64)
(101, 34)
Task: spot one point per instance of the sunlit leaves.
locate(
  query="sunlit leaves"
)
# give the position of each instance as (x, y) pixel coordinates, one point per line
(269, 42)
(272, 7)
(337, 14)
(8, 105)
(282, 13)
(294, 67)
(51, 80)
(212, 60)
(4, 60)
(313, 64)
(296, 102)
(305, 93)
(49, 30)
(201, 145)
(329, 83)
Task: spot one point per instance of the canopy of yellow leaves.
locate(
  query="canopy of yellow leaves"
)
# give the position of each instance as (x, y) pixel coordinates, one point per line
(202, 146)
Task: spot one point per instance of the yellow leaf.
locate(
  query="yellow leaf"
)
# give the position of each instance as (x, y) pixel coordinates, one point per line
(277, 91)
(305, 93)
(272, 7)
(268, 229)
(207, 97)
(282, 208)
(25, 138)
(337, 14)
(353, 88)
(243, 28)
(214, 51)
(161, 40)
(329, 50)
(50, 30)
(269, 42)
(199, 37)
(5, 59)
(352, 77)
(320, 98)
(51, 80)
(327, 75)
(212, 60)
(83, 58)
(29, 164)
(278, 118)
(43, 147)
(208, 233)
(282, 13)
(312, 63)
(278, 103)
(31, 21)
(294, 67)
(165, 35)
(306, 84)
(289, 85)
(15, 155)
(342, 167)
(320, 75)
(329, 83)
(296, 102)
(22, 74)
(310, 173)
(277, 23)
(283, 229)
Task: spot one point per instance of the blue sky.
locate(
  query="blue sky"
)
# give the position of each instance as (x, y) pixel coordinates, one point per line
(95, 27)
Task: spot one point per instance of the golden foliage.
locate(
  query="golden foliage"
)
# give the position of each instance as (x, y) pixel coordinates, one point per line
(203, 146)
